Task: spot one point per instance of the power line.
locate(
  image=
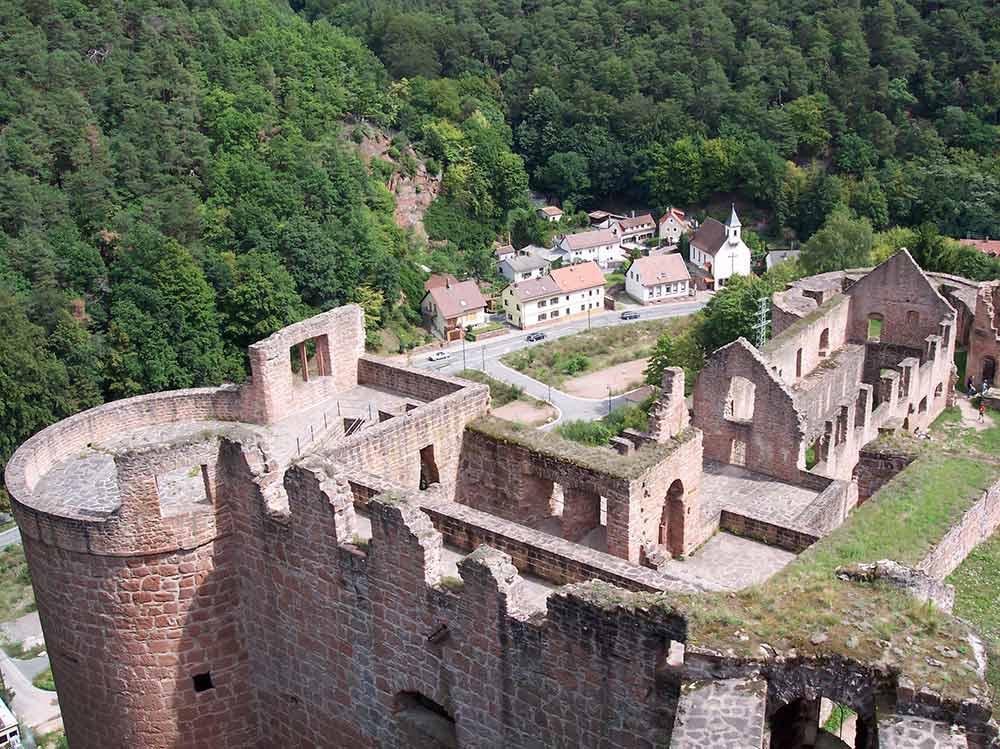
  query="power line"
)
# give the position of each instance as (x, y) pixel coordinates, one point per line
(763, 325)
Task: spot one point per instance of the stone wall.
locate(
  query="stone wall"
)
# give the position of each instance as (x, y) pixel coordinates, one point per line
(976, 525)
(415, 383)
(783, 536)
(984, 339)
(392, 448)
(127, 635)
(907, 302)
(548, 557)
(749, 442)
(877, 464)
(338, 637)
(517, 475)
(274, 390)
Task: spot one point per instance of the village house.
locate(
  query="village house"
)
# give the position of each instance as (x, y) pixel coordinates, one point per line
(659, 278)
(673, 224)
(453, 307)
(504, 252)
(603, 219)
(550, 213)
(521, 267)
(986, 246)
(564, 293)
(635, 229)
(719, 249)
(600, 246)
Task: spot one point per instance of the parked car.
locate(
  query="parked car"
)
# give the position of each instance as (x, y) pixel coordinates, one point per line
(439, 356)
(538, 336)
(630, 315)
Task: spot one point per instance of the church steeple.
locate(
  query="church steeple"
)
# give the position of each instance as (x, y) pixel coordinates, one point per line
(733, 227)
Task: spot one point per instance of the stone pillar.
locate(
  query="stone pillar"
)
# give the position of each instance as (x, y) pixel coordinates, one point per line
(669, 415)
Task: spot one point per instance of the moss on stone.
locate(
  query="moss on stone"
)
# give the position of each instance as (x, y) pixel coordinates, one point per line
(598, 459)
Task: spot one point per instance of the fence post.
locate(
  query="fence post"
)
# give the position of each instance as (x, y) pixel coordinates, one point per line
(298, 447)
(312, 431)
(325, 425)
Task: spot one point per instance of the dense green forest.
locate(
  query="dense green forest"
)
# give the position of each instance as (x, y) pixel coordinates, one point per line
(889, 106)
(178, 179)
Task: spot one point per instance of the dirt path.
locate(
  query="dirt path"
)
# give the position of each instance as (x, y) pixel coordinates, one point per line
(527, 413)
(621, 378)
(970, 415)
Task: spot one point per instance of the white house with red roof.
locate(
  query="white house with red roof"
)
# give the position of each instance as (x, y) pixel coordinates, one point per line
(453, 307)
(565, 293)
(634, 229)
(658, 278)
(672, 225)
(601, 246)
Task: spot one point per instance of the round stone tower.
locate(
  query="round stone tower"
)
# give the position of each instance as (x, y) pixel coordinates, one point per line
(135, 593)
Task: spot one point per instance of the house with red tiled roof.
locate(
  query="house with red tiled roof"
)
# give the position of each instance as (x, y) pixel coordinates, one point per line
(635, 229)
(453, 307)
(986, 246)
(658, 278)
(550, 213)
(672, 225)
(565, 293)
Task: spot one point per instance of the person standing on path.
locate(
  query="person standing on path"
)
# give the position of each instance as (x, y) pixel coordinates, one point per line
(982, 411)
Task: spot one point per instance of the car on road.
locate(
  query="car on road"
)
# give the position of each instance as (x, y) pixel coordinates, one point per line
(630, 315)
(439, 356)
(532, 337)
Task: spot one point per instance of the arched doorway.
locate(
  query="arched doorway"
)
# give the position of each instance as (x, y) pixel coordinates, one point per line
(990, 370)
(672, 520)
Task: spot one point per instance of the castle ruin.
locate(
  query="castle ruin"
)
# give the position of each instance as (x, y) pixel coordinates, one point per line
(347, 552)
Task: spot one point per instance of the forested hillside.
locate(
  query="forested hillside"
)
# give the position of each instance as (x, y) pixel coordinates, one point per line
(889, 106)
(178, 179)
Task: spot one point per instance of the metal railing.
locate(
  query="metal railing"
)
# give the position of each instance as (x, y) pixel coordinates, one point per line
(361, 413)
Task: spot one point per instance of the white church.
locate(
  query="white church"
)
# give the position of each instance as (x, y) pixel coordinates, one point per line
(720, 250)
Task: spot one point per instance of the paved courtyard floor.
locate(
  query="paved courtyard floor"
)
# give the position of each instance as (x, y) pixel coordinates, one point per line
(751, 494)
(731, 562)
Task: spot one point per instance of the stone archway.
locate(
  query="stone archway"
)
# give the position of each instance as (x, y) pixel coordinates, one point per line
(672, 519)
(989, 370)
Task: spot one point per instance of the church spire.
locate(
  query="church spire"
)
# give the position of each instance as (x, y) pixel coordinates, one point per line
(733, 227)
(734, 220)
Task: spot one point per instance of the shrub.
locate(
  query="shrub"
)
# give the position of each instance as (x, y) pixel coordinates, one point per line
(575, 363)
(586, 432)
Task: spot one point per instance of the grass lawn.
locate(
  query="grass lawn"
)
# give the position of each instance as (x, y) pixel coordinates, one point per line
(16, 596)
(500, 392)
(556, 361)
(45, 681)
(977, 599)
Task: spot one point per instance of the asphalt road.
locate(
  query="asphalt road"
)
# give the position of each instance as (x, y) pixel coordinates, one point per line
(485, 356)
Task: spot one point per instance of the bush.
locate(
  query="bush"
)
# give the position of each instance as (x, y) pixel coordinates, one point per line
(358, 134)
(586, 432)
(392, 152)
(45, 681)
(574, 364)
(433, 167)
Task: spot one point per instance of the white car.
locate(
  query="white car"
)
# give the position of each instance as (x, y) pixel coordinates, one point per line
(439, 356)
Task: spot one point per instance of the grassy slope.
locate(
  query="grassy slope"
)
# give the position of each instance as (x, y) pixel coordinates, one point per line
(902, 522)
(16, 597)
(977, 599)
(602, 347)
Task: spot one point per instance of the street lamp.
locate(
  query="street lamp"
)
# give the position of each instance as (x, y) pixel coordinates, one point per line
(463, 351)
(609, 399)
